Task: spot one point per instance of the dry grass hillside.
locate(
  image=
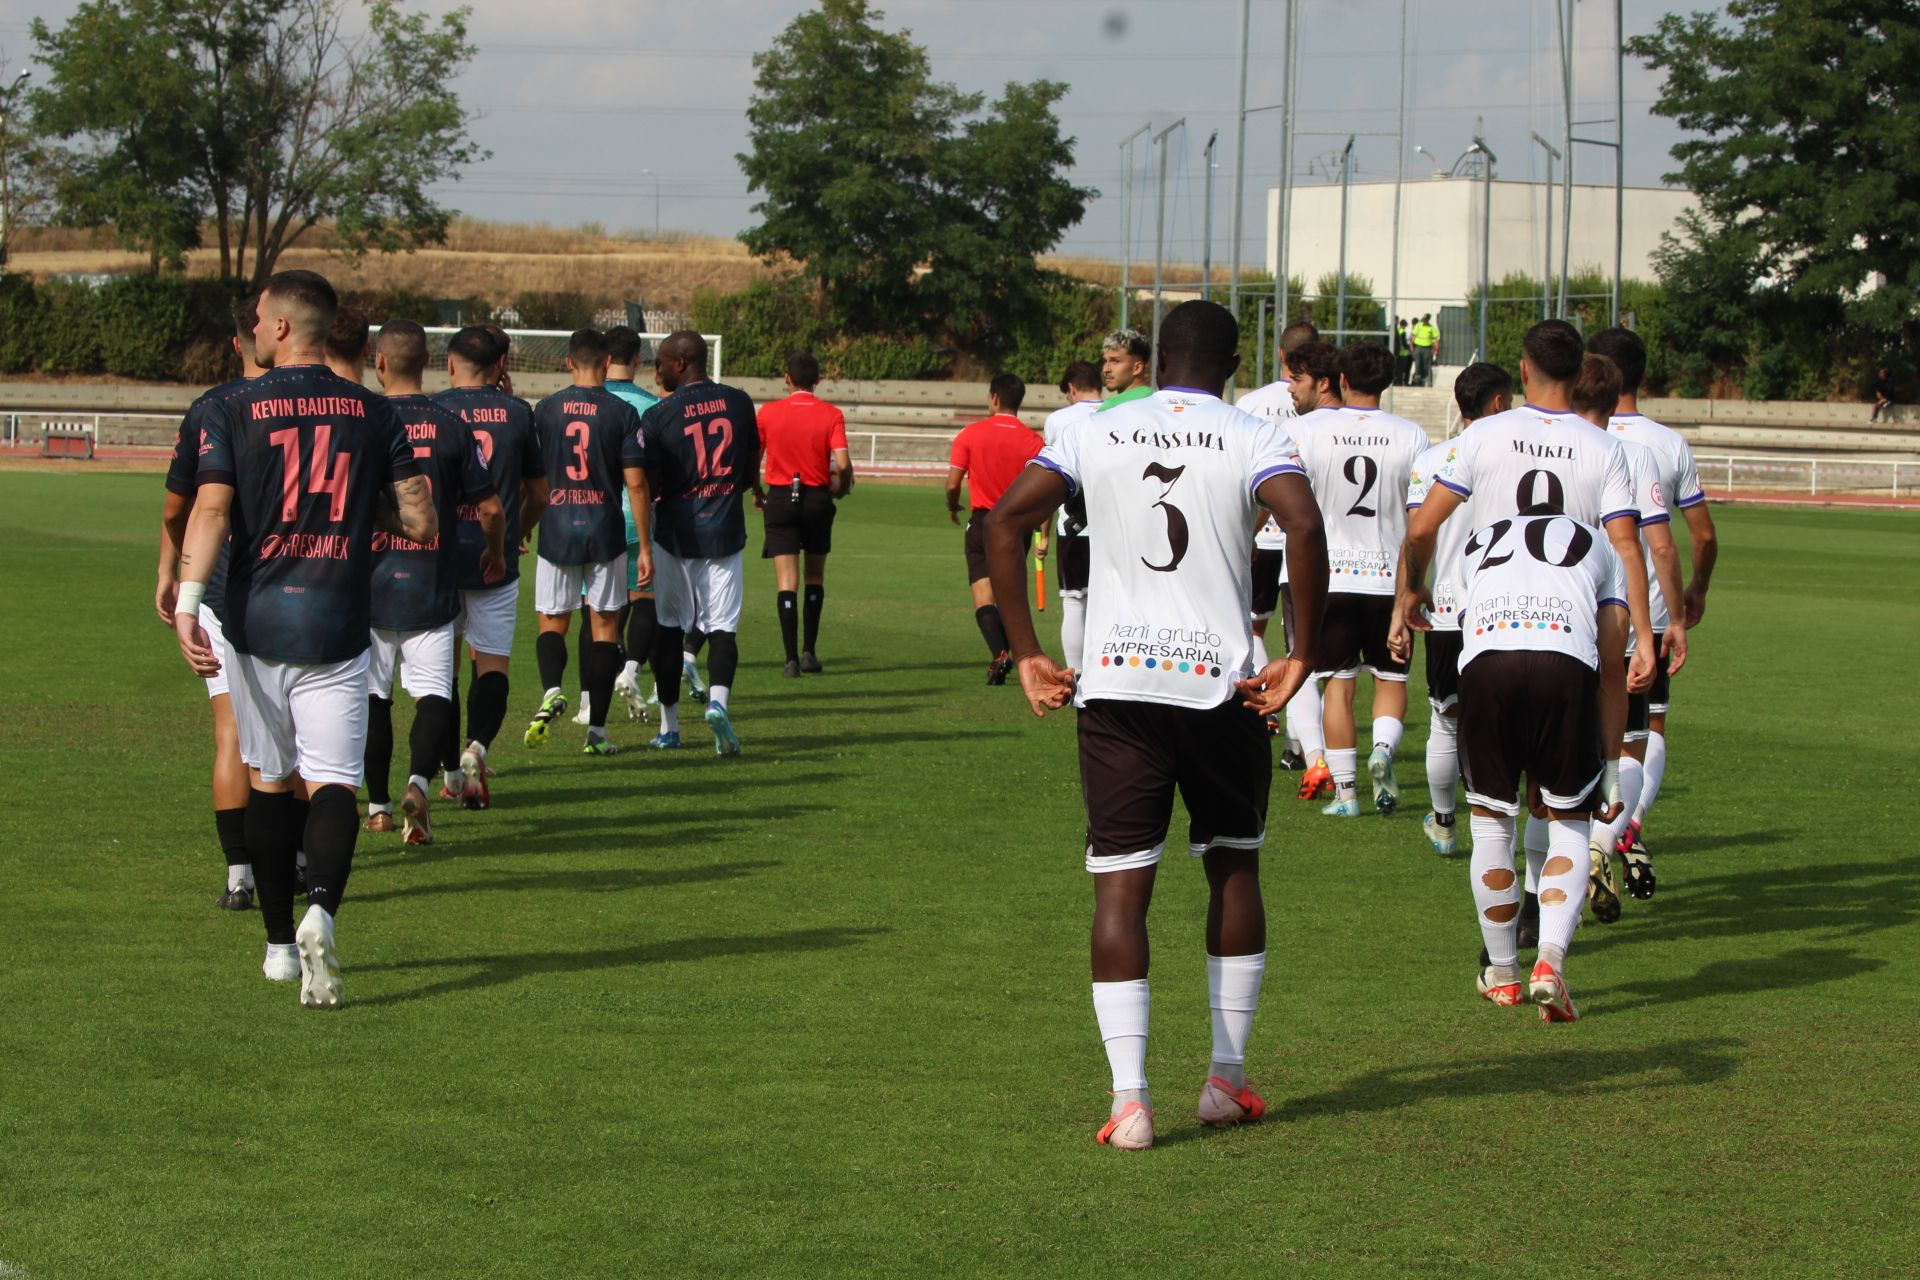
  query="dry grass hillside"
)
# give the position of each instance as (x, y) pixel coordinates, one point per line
(495, 261)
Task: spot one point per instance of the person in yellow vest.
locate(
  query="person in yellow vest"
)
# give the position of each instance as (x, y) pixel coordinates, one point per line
(1426, 350)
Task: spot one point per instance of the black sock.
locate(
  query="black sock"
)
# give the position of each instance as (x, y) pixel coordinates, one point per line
(987, 618)
(643, 621)
(816, 600)
(666, 664)
(486, 706)
(693, 641)
(1442, 819)
(272, 836)
(300, 812)
(786, 603)
(597, 672)
(551, 651)
(586, 644)
(231, 826)
(723, 662)
(379, 762)
(332, 829)
(450, 742)
(620, 636)
(430, 716)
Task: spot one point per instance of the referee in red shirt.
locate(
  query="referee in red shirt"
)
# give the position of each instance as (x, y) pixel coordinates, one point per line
(808, 466)
(988, 454)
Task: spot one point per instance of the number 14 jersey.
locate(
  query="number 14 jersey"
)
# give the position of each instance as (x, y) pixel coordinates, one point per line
(1169, 482)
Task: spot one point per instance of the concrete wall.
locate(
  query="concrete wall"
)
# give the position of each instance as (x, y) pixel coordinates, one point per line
(1440, 224)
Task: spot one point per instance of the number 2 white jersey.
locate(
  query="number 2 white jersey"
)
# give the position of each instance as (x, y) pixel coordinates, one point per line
(1537, 583)
(1513, 460)
(1058, 421)
(1273, 401)
(1169, 482)
(1451, 540)
(1358, 461)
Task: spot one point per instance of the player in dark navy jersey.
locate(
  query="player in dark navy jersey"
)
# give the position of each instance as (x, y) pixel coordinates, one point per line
(416, 595)
(297, 464)
(500, 425)
(585, 431)
(701, 447)
(229, 770)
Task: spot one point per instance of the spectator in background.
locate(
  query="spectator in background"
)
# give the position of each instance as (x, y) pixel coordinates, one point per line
(1402, 355)
(1882, 391)
(1426, 350)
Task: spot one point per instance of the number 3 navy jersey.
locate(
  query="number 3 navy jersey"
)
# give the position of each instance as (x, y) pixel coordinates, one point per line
(1358, 461)
(1170, 482)
(701, 448)
(583, 433)
(1537, 583)
(502, 429)
(307, 453)
(416, 584)
(180, 480)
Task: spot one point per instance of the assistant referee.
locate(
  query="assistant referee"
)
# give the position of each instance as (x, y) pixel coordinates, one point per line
(808, 466)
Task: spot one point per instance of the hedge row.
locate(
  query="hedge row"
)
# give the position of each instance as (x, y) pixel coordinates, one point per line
(134, 326)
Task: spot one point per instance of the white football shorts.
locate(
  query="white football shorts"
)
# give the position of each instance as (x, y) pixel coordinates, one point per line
(217, 637)
(488, 617)
(560, 589)
(425, 658)
(310, 720)
(697, 592)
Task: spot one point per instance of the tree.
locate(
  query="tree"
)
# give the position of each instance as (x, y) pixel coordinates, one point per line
(901, 200)
(24, 190)
(1804, 114)
(266, 117)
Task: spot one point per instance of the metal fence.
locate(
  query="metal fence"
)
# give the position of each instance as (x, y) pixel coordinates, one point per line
(1757, 474)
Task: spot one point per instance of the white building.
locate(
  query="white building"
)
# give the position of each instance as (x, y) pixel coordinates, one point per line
(1440, 226)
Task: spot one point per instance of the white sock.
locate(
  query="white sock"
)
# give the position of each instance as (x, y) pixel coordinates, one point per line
(1443, 762)
(1387, 731)
(478, 748)
(452, 780)
(1494, 889)
(1631, 775)
(1304, 721)
(1563, 890)
(596, 733)
(1121, 1009)
(1073, 630)
(550, 693)
(240, 875)
(1344, 762)
(717, 694)
(1656, 772)
(1536, 851)
(373, 808)
(1260, 658)
(1233, 993)
(415, 780)
(690, 659)
(632, 669)
(669, 718)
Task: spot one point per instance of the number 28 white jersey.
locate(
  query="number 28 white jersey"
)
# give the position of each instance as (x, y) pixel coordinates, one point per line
(1169, 482)
(1537, 583)
(1358, 461)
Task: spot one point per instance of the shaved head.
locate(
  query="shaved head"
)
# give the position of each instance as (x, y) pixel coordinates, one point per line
(682, 358)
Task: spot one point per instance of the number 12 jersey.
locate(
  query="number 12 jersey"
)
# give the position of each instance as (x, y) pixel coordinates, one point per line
(1169, 481)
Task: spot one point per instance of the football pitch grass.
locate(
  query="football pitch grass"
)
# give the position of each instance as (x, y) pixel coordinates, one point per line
(823, 1010)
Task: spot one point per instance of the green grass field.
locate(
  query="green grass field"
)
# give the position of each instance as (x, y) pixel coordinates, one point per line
(823, 1010)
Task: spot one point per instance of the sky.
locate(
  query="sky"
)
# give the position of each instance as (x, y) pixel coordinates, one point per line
(600, 112)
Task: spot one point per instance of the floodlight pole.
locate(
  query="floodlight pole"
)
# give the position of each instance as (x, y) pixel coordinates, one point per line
(1392, 320)
(1206, 250)
(1563, 22)
(1619, 151)
(1346, 188)
(1546, 218)
(1486, 236)
(1160, 233)
(1126, 216)
(1239, 169)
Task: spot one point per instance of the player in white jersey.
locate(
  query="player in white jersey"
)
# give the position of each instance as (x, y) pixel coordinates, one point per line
(1542, 614)
(1358, 460)
(1680, 488)
(1313, 369)
(1480, 391)
(1081, 385)
(1275, 400)
(1169, 698)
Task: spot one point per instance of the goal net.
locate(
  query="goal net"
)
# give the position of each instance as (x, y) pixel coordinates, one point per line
(545, 350)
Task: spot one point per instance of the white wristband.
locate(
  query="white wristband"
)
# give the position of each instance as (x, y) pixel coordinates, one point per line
(188, 600)
(1610, 782)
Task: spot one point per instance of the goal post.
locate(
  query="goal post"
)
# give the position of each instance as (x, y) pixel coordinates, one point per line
(545, 350)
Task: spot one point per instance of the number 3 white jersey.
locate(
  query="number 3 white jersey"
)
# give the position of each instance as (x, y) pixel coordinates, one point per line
(1358, 461)
(1273, 401)
(1169, 482)
(1514, 460)
(1537, 583)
